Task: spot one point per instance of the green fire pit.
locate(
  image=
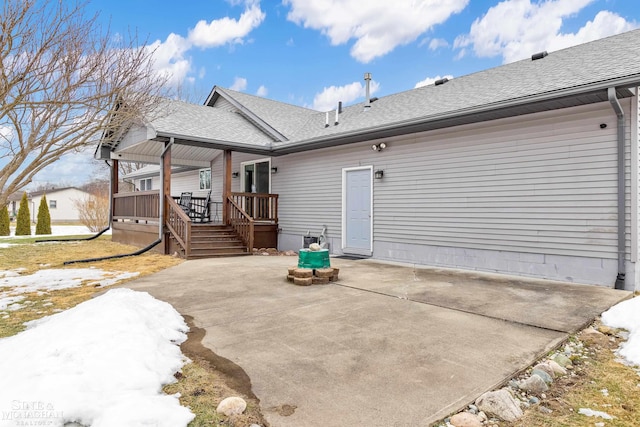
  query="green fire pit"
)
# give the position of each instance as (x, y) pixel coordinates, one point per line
(313, 259)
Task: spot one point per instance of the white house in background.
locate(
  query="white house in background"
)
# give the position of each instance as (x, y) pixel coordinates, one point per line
(60, 201)
(530, 168)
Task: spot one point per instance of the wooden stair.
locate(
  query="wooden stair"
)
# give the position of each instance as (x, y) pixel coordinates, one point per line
(212, 241)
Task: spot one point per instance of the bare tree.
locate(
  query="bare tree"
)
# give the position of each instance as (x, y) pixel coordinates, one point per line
(93, 208)
(61, 80)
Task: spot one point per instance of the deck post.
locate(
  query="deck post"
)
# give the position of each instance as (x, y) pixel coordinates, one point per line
(114, 189)
(166, 191)
(226, 188)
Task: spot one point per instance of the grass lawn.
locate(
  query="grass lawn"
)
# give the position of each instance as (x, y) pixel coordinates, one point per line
(600, 383)
(200, 384)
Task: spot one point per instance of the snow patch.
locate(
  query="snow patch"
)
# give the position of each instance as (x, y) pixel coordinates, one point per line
(55, 279)
(101, 363)
(591, 413)
(626, 315)
(7, 302)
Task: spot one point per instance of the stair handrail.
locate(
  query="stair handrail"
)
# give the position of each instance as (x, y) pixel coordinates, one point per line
(179, 225)
(242, 223)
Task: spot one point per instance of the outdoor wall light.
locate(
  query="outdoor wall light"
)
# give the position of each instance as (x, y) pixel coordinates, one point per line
(235, 174)
(379, 147)
(378, 174)
(274, 169)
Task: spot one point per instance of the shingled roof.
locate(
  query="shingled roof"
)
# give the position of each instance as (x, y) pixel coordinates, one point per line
(574, 76)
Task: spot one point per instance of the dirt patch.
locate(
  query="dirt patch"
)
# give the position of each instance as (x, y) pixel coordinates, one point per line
(283, 410)
(226, 379)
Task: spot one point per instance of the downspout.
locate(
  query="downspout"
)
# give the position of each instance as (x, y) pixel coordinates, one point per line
(617, 108)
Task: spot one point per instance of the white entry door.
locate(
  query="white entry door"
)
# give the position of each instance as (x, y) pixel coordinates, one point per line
(357, 210)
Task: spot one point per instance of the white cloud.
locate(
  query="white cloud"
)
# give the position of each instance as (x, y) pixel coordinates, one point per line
(378, 26)
(436, 44)
(70, 169)
(169, 58)
(262, 91)
(6, 133)
(515, 29)
(239, 84)
(431, 80)
(330, 96)
(226, 30)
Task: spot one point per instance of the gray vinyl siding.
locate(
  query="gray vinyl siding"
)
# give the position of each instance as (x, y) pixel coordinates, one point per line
(543, 184)
(635, 141)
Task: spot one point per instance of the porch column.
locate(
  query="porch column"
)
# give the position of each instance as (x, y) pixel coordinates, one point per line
(114, 176)
(226, 187)
(166, 190)
(114, 189)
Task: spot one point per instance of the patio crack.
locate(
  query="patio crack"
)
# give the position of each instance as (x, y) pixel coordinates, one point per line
(515, 322)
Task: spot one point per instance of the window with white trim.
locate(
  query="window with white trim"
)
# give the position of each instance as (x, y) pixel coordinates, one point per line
(205, 179)
(145, 184)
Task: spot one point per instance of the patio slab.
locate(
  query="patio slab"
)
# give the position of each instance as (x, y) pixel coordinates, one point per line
(387, 345)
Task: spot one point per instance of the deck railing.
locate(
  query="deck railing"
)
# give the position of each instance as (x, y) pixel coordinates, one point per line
(179, 225)
(260, 207)
(242, 223)
(138, 206)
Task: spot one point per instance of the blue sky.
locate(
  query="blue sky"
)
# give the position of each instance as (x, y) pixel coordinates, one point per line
(313, 53)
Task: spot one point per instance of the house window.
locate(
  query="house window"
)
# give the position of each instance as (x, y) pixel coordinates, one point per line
(53, 204)
(145, 184)
(205, 179)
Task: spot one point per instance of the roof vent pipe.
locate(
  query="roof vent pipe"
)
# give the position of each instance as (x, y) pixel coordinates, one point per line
(441, 81)
(538, 55)
(340, 107)
(367, 101)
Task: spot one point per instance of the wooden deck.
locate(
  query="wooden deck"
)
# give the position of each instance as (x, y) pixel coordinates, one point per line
(251, 222)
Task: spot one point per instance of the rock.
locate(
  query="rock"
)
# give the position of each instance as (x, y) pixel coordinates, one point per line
(534, 384)
(473, 409)
(314, 247)
(591, 336)
(544, 366)
(483, 417)
(542, 374)
(465, 419)
(556, 368)
(605, 329)
(534, 400)
(232, 406)
(501, 404)
(562, 360)
(290, 253)
(544, 410)
(255, 425)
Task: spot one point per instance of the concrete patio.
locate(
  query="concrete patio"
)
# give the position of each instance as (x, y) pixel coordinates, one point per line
(386, 345)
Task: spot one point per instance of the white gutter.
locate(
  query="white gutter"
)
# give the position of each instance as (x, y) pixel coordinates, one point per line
(611, 92)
